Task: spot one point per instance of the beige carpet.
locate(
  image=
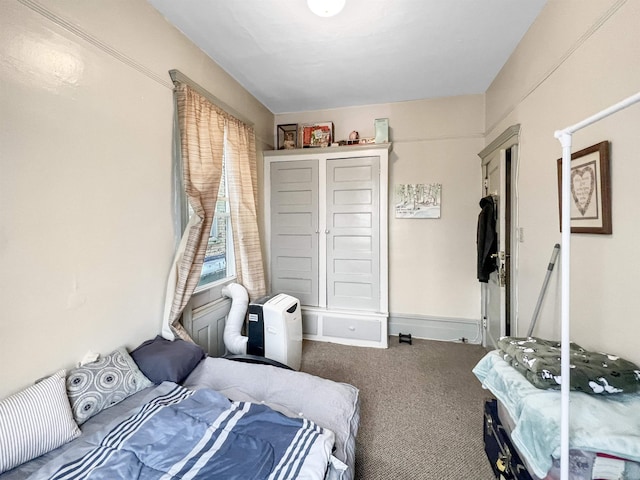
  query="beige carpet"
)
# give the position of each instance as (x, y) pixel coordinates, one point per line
(421, 407)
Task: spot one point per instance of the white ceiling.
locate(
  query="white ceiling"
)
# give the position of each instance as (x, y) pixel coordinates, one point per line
(374, 51)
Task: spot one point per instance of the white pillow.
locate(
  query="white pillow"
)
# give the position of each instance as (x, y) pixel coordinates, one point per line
(35, 421)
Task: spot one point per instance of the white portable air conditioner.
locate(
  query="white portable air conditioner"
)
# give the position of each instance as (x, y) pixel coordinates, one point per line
(275, 329)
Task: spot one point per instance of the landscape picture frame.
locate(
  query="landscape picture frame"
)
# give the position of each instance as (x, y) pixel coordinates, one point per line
(418, 200)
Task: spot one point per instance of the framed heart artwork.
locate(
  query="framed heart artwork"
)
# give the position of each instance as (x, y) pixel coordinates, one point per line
(590, 190)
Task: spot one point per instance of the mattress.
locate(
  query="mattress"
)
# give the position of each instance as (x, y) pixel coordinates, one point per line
(332, 405)
(173, 431)
(180, 433)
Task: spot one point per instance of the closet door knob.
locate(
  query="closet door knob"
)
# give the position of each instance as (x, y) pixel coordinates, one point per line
(327, 232)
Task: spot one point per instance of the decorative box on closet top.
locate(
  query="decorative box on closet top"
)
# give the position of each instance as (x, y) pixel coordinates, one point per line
(326, 214)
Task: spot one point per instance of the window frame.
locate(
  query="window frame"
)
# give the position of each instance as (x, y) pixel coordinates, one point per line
(211, 291)
(229, 247)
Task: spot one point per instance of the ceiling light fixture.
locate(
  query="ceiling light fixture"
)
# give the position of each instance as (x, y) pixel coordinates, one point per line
(326, 8)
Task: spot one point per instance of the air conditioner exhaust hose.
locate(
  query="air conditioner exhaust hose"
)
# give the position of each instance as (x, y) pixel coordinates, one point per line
(235, 342)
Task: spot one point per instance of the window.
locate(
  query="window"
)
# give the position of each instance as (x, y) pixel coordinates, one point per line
(218, 260)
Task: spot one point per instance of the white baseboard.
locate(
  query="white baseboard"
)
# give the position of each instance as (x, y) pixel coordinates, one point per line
(436, 328)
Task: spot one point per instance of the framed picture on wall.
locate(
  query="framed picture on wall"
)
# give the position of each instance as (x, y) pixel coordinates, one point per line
(418, 200)
(590, 190)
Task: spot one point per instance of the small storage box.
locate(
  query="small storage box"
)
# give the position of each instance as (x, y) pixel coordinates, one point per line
(503, 457)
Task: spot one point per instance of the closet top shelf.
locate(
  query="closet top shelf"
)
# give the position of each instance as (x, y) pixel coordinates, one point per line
(322, 150)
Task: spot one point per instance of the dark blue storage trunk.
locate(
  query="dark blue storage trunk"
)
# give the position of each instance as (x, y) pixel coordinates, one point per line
(502, 455)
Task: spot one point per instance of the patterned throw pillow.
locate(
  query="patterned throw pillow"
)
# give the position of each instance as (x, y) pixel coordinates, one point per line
(101, 384)
(35, 421)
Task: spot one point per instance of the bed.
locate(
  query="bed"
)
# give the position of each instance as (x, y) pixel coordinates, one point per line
(604, 428)
(165, 410)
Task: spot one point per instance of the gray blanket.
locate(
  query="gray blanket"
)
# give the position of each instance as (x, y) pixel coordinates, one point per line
(591, 372)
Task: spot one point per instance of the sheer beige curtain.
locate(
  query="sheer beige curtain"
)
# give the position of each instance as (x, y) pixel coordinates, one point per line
(207, 135)
(242, 183)
(202, 130)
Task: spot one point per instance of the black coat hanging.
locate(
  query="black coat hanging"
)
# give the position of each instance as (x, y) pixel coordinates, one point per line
(487, 238)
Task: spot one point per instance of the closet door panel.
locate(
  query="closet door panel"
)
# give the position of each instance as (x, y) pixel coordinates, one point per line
(353, 231)
(294, 229)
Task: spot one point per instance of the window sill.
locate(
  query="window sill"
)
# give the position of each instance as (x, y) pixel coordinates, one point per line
(210, 292)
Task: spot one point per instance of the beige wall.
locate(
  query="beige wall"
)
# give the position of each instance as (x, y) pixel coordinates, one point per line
(432, 261)
(578, 58)
(86, 232)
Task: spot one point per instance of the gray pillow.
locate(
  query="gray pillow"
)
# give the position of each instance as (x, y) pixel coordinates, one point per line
(163, 360)
(35, 421)
(101, 384)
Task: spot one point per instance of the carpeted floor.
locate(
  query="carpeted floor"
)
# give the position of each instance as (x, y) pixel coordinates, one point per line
(421, 408)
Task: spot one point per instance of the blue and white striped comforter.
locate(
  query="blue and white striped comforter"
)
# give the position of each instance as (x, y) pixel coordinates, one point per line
(185, 434)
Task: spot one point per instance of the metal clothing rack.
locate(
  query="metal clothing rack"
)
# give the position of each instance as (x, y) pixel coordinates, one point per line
(564, 136)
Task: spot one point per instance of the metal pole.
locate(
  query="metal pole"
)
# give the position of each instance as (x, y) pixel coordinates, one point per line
(536, 312)
(565, 372)
(627, 102)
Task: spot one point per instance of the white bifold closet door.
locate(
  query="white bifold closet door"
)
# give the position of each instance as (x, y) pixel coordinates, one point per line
(294, 229)
(353, 233)
(349, 234)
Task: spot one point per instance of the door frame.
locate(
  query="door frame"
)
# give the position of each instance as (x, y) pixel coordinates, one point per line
(507, 141)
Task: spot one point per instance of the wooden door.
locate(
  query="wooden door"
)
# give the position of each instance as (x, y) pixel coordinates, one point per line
(294, 229)
(494, 294)
(353, 233)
